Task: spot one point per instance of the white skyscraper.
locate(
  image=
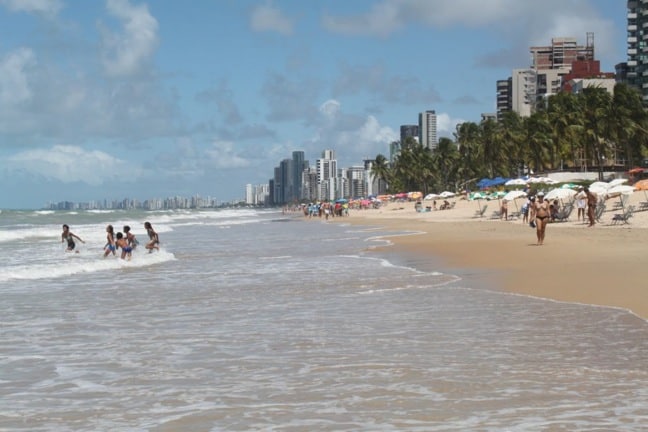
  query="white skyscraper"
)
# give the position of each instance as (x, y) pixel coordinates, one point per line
(428, 129)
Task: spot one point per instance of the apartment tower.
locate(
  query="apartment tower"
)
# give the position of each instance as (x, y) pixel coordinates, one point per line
(637, 64)
(428, 129)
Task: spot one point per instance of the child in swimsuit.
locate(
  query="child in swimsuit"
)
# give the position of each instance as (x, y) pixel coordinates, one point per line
(68, 236)
(130, 237)
(110, 241)
(154, 240)
(122, 243)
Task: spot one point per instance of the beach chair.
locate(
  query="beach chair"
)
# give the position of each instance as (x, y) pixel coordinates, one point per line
(564, 213)
(480, 213)
(622, 218)
(496, 214)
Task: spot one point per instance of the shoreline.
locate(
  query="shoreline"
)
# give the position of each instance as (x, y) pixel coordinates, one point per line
(602, 266)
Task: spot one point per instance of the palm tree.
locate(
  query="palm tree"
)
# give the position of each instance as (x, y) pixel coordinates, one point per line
(380, 171)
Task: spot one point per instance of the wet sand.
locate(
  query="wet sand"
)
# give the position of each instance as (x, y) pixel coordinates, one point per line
(603, 265)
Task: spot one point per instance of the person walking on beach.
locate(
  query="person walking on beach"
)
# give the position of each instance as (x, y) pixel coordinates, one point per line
(122, 242)
(110, 241)
(591, 206)
(68, 236)
(540, 215)
(154, 240)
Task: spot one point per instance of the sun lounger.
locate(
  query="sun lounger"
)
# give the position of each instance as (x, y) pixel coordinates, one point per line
(622, 218)
(480, 213)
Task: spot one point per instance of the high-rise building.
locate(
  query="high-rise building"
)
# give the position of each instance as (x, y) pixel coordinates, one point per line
(637, 64)
(299, 164)
(428, 129)
(551, 63)
(504, 92)
(523, 91)
(408, 131)
(326, 173)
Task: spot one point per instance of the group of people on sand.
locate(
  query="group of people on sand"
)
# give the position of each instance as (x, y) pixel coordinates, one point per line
(540, 211)
(125, 241)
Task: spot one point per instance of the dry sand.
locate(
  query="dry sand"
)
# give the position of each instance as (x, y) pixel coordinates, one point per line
(603, 265)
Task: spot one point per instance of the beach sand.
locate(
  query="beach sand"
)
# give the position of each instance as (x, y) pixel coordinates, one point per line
(603, 265)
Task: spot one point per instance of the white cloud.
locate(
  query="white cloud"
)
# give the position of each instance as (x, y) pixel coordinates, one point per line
(47, 8)
(537, 21)
(222, 154)
(269, 18)
(14, 84)
(354, 138)
(127, 52)
(447, 125)
(330, 109)
(69, 164)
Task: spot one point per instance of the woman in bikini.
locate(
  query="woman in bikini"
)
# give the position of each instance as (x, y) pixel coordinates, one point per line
(540, 214)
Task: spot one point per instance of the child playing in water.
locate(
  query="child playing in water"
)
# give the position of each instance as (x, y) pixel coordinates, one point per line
(122, 242)
(110, 241)
(154, 240)
(68, 236)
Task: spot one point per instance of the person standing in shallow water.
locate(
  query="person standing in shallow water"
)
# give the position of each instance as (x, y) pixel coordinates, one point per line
(130, 237)
(110, 241)
(68, 236)
(540, 214)
(122, 242)
(154, 240)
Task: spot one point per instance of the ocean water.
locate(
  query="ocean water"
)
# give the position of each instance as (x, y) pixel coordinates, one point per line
(255, 320)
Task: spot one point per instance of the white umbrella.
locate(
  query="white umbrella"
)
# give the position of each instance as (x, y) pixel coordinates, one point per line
(516, 182)
(447, 194)
(560, 193)
(431, 196)
(617, 182)
(600, 185)
(513, 195)
(620, 190)
(510, 196)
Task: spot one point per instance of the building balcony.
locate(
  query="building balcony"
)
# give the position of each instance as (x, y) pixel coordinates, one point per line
(632, 39)
(632, 15)
(632, 51)
(633, 27)
(632, 63)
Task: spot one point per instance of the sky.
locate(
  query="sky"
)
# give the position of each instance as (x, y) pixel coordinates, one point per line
(108, 99)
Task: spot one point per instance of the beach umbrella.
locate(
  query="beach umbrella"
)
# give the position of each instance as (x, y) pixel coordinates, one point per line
(516, 182)
(620, 190)
(510, 196)
(599, 185)
(617, 182)
(560, 193)
(447, 194)
(431, 196)
(513, 195)
(641, 185)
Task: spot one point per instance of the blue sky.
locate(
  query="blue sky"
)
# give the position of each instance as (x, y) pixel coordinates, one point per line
(152, 99)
